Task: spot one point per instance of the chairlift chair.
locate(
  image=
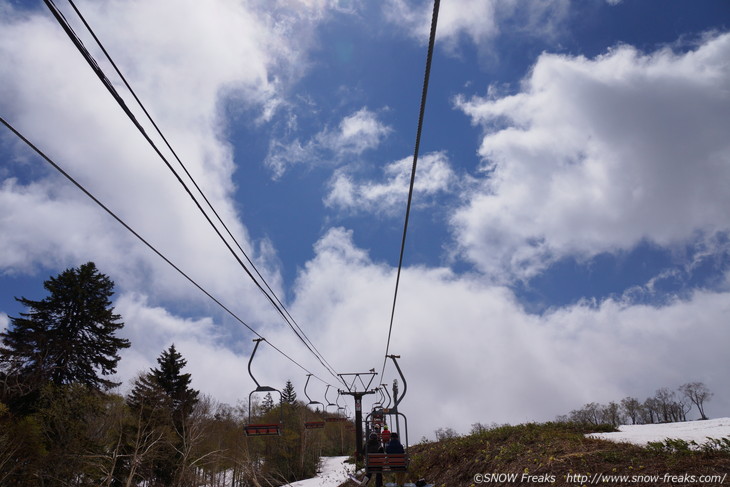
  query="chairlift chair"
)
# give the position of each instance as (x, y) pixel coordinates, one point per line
(329, 402)
(341, 410)
(312, 424)
(390, 462)
(262, 429)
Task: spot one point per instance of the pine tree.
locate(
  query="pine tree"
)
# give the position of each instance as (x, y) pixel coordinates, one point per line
(288, 395)
(267, 405)
(69, 336)
(169, 381)
(164, 398)
(148, 396)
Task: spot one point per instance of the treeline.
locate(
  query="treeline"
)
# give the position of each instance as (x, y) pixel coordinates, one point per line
(62, 424)
(666, 406)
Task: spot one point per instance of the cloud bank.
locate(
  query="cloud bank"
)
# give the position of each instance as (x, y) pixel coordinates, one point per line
(588, 156)
(597, 155)
(471, 352)
(232, 55)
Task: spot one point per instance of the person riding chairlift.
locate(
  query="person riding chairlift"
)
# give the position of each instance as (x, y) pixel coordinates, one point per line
(385, 435)
(394, 447)
(372, 446)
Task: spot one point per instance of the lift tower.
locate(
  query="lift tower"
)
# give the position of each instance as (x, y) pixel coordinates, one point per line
(352, 390)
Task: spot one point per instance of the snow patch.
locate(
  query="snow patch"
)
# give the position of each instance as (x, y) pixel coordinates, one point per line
(333, 472)
(641, 434)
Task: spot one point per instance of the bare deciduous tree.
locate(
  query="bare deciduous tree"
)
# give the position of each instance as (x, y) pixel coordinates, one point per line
(445, 433)
(631, 408)
(698, 393)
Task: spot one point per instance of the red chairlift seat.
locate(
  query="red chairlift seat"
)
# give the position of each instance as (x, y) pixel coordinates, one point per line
(386, 462)
(311, 425)
(272, 429)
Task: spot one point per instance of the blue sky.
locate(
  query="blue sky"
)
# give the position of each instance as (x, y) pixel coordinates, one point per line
(569, 236)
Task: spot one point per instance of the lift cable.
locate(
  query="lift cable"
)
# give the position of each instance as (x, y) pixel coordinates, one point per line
(429, 57)
(187, 173)
(105, 81)
(145, 242)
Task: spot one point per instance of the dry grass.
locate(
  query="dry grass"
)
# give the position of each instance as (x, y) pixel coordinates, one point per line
(558, 450)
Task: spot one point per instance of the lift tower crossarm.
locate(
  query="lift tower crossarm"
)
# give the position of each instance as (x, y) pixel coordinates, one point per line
(358, 395)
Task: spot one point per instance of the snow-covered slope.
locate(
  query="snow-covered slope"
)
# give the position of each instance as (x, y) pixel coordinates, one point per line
(641, 434)
(333, 472)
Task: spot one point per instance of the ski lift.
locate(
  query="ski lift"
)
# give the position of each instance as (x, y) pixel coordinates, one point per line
(341, 409)
(385, 390)
(262, 429)
(377, 405)
(312, 424)
(390, 462)
(329, 403)
(341, 415)
(333, 417)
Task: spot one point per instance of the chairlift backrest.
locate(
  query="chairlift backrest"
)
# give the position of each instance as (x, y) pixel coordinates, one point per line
(310, 425)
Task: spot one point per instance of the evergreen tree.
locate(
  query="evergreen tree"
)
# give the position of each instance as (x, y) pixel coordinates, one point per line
(166, 386)
(164, 399)
(267, 405)
(67, 337)
(288, 395)
(147, 396)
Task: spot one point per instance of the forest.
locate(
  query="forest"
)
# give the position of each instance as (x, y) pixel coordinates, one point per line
(63, 423)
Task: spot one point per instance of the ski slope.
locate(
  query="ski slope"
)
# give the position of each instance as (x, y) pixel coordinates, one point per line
(333, 472)
(641, 434)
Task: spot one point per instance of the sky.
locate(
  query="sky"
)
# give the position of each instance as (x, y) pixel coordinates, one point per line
(569, 235)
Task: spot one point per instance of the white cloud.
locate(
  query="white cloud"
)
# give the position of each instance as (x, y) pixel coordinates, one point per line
(187, 62)
(212, 358)
(433, 176)
(471, 353)
(595, 155)
(190, 63)
(480, 21)
(355, 134)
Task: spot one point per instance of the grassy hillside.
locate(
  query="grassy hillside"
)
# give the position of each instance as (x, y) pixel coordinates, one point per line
(560, 454)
